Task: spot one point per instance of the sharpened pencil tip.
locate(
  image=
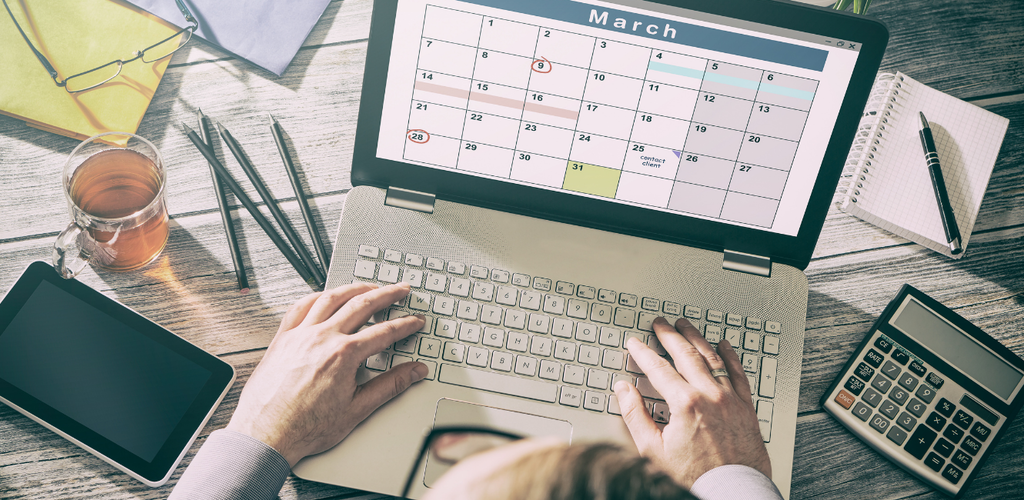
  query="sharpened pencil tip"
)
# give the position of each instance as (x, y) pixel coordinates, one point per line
(219, 126)
(185, 128)
(272, 118)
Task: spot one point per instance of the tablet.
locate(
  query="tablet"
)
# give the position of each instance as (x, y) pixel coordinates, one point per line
(103, 376)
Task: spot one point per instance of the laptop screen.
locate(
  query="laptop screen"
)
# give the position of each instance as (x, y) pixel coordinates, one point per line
(634, 102)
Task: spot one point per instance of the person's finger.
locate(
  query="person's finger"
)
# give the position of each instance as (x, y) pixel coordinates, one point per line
(385, 387)
(640, 424)
(357, 310)
(688, 360)
(379, 336)
(665, 379)
(737, 376)
(711, 357)
(331, 300)
(297, 312)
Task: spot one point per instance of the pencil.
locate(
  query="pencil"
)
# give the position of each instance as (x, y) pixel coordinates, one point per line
(225, 215)
(244, 199)
(300, 195)
(275, 210)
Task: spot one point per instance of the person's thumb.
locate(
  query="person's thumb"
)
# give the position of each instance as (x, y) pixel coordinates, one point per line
(386, 386)
(634, 413)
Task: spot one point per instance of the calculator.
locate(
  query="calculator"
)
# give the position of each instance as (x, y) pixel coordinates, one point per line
(928, 390)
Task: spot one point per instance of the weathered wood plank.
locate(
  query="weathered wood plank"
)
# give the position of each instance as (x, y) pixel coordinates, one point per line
(968, 49)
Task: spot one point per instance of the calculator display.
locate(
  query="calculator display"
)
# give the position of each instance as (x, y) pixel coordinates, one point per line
(991, 371)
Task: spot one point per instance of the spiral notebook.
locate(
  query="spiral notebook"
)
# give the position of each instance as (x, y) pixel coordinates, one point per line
(885, 181)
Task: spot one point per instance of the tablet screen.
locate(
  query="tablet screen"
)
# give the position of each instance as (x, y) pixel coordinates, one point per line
(98, 371)
(102, 375)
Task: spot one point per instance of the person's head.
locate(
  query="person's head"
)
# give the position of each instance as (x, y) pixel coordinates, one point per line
(553, 470)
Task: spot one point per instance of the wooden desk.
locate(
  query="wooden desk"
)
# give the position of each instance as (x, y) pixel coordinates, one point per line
(972, 49)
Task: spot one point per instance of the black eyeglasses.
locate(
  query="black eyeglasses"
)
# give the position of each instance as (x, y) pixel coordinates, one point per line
(99, 75)
(449, 445)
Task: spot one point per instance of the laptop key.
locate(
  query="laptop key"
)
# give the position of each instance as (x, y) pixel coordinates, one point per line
(368, 251)
(483, 291)
(499, 383)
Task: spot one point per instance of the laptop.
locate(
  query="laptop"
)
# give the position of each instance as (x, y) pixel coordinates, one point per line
(551, 175)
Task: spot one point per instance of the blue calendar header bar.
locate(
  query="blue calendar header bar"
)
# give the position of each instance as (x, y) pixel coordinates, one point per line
(666, 30)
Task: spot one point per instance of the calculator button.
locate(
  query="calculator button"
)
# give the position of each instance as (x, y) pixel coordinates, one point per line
(952, 474)
(872, 397)
(935, 421)
(944, 407)
(882, 384)
(924, 392)
(953, 434)
(916, 407)
(891, 370)
(962, 459)
(920, 441)
(862, 411)
(896, 435)
(934, 462)
(854, 385)
(917, 368)
(844, 399)
(935, 380)
(980, 431)
(909, 381)
(899, 396)
(943, 447)
(883, 344)
(970, 445)
(863, 371)
(963, 420)
(879, 423)
(873, 358)
(900, 357)
(889, 409)
(906, 421)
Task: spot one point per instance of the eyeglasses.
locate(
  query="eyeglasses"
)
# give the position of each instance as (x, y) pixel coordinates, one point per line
(449, 445)
(99, 75)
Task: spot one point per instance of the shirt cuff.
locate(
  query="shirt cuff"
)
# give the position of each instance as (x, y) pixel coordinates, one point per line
(735, 481)
(233, 466)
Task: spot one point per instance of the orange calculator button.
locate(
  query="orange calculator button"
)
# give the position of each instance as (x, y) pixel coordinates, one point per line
(844, 399)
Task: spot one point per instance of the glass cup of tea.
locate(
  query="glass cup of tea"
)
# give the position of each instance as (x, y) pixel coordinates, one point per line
(117, 204)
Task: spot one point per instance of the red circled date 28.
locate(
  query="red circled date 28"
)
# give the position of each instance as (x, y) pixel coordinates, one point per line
(419, 136)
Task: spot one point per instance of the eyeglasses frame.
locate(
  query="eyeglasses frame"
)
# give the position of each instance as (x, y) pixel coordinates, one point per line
(139, 54)
(439, 431)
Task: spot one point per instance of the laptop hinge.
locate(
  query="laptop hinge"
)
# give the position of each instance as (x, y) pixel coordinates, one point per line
(409, 200)
(747, 263)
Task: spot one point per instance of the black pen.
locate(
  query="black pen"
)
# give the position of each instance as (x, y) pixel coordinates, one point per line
(225, 215)
(230, 182)
(268, 198)
(300, 195)
(934, 169)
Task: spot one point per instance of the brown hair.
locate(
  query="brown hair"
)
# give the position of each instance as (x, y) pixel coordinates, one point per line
(591, 471)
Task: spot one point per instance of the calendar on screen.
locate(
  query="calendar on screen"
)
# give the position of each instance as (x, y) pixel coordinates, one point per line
(604, 108)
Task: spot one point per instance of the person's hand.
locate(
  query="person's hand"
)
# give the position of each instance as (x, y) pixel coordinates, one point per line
(303, 399)
(712, 420)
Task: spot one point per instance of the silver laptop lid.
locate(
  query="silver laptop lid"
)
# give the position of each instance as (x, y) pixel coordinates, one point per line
(723, 126)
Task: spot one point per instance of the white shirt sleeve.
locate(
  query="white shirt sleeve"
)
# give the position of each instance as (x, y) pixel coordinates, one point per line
(735, 481)
(233, 466)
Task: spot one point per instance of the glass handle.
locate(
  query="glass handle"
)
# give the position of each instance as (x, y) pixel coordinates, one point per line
(70, 252)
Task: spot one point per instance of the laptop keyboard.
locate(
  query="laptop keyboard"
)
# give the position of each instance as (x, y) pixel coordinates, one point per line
(546, 340)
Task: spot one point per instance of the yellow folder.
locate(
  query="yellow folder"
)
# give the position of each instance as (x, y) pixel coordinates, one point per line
(76, 36)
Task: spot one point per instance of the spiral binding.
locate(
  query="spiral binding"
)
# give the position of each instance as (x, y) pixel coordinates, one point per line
(882, 109)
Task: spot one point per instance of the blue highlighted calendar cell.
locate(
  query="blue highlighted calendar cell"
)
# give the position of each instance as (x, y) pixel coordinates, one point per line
(604, 118)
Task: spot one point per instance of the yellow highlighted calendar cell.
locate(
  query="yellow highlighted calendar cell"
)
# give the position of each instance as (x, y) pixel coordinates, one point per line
(591, 179)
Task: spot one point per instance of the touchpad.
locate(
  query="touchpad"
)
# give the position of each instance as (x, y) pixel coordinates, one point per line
(452, 413)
